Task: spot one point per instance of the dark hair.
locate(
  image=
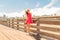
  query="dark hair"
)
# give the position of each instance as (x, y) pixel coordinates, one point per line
(26, 12)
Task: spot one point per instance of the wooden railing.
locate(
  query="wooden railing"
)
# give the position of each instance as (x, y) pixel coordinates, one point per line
(46, 26)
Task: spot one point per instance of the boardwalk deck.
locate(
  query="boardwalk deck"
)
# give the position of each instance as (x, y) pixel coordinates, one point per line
(7, 33)
(11, 34)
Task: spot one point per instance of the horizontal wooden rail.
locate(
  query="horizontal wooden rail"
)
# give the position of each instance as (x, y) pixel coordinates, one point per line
(51, 35)
(50, 22)
(19, 24)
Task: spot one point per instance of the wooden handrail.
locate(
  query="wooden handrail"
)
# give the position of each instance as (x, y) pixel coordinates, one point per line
(39, 21)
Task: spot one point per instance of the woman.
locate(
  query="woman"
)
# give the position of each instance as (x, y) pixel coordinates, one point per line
(28, 20)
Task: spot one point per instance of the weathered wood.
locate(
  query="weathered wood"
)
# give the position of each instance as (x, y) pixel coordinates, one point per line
(9, 22)
(12, 23)
(17, 24)
(11, 34)
(50, 22)
(51, 35)
(50, 29)
(42, 20)
(50, 17)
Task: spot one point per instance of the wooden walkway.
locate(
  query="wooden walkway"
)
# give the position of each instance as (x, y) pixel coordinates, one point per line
(7, 33)
(12, 34)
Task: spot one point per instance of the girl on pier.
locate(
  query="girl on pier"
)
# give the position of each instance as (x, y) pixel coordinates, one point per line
(28, 20)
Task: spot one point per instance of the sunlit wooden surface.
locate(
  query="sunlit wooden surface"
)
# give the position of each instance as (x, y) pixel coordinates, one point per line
(7, 33)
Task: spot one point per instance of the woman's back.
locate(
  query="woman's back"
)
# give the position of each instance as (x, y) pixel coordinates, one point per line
(29, 18)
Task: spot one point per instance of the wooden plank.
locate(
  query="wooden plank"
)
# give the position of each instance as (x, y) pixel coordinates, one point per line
(14, 34)
(50, 29)
(3, 37)
(20, 24)
(49, 22)
(47, 34)
(50, 17)
(12, 23)
(21, 20)
(51, 35)
(34, 31)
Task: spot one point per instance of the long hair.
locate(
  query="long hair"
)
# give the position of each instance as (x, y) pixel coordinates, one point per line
(27, 11)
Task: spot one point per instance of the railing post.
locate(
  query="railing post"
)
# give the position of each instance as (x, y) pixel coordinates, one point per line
(24, 24)
(17, 24)
(13, 23)
(9, 22)
(38, 30)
